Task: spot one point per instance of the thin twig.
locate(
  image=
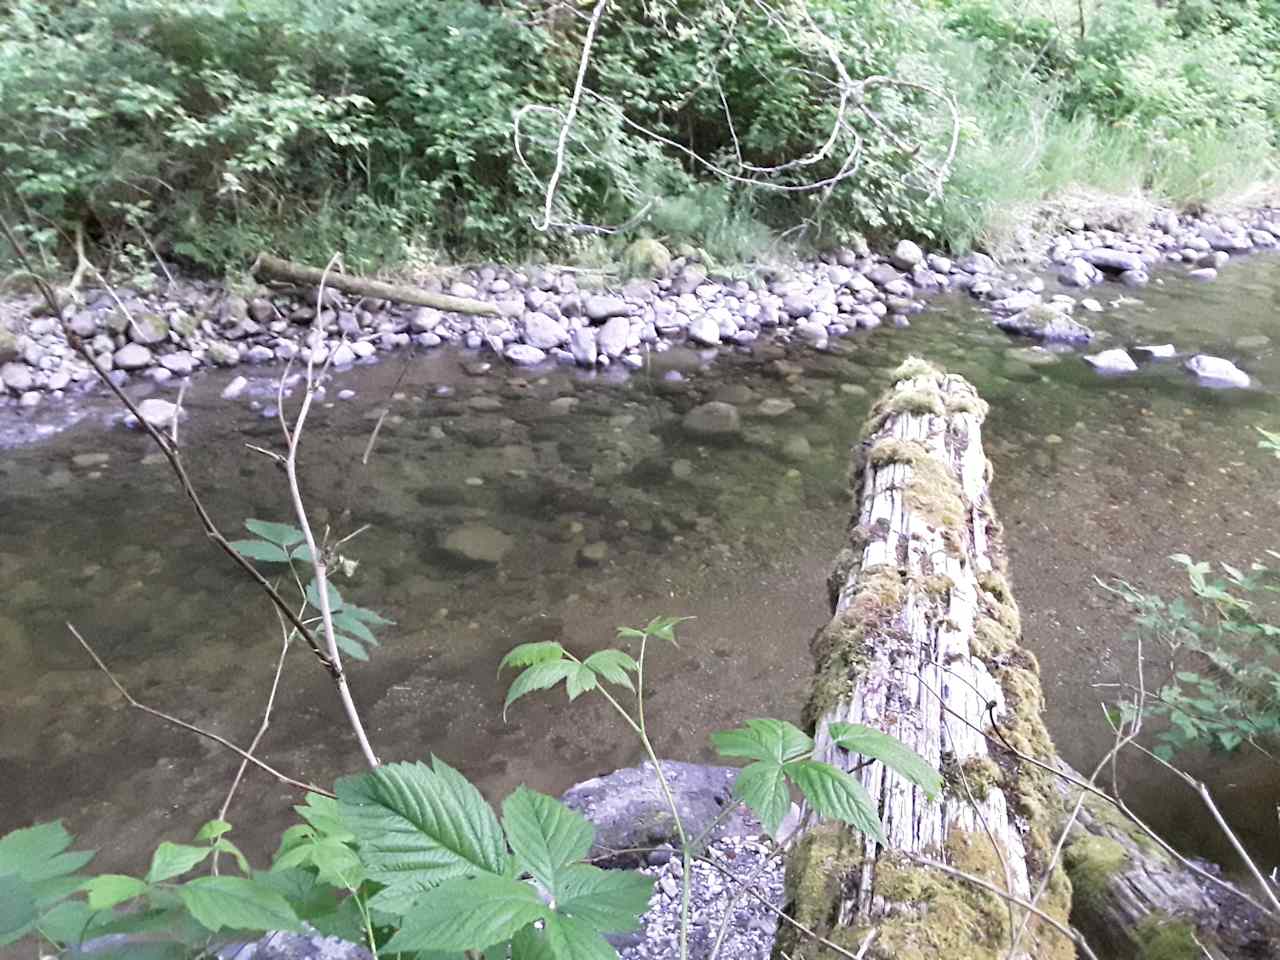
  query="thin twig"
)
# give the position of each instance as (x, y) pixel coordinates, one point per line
(169, 718)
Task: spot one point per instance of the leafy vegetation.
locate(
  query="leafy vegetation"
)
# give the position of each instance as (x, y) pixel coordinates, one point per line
(382, 128)
(1223, 649)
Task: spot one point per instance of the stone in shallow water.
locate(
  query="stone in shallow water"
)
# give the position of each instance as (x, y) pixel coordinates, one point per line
(713, 419)
(1112, 361)
(1158, 351)
(133, 356)
(1217, 370)
(235, 388)
(159, 413)
(476, 543)
(775, 406)
(1047, 324)
(1254, 342)
(524, 355)
(704, 329)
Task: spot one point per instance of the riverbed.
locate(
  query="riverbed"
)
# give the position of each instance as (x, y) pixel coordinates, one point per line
(614, 513)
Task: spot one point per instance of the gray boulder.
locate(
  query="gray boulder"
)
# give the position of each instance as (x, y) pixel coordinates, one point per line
(523, 354)
(544, 333)
(132, 356)
(1078, 272)
(149, 329)
(1217, 370)
(583, 346)
(1115, 261)
(1227, 241)
(976, 263)
(611, 340)
(1112, 361)
(17, 377)
(1045, 323)
(703, 329)
(906, 255)
(600, 307)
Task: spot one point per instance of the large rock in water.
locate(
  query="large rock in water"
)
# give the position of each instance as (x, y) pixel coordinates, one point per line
(1116, 261)
(476, 543)
(1217, 370)
(713, 419)
(1047, 324)
(611, 339)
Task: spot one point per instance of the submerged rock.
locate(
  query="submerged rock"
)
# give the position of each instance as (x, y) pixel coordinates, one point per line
(1161, 351)
(159, 413)
(1217, 370)
(713, 419)
(476, 543)
(1047, 324)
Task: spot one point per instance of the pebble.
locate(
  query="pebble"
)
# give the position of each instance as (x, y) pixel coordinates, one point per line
(235, 388)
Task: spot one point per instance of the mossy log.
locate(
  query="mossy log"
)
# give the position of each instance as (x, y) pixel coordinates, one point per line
(267, 267)
(1130, 898)
(923, 644)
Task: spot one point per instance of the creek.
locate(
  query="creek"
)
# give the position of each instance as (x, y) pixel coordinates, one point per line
(1094, 476)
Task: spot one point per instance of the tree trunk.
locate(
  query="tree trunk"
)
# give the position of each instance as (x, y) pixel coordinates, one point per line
(1132, 899)
(923, 645)
(267, 267)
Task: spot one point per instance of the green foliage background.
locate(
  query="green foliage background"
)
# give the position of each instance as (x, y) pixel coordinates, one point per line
(220, 127)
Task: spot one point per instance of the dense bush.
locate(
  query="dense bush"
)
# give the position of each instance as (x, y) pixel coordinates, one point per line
(218, 127)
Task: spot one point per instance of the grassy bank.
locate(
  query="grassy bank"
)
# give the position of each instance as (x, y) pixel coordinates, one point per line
(384, 128)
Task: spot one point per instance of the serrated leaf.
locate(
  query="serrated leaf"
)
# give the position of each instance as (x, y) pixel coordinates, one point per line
(889, 750)
(302, 552)
(351, 647)
(313, 596)
(416, 826)
(172, 859)
(540, 676)
(545, 835)
(762, 786)
(278, 533)
(212, 829)
(368, 616)
(836, 795)
(611, 901)
(68, 922)
(532, 654)
(613, 666)
(37, 853)
(581, 680)
(764, 739)
(223, 845)
(325, 814)
(237, 903)
(17, 908)
(348, 624)
(572, 939)
(469, 913)
(49, 892)
(664, 628)
(111, 889)
(260, 550)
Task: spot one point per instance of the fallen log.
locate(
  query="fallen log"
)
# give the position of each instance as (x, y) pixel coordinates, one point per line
(924, 644)
(267, 267)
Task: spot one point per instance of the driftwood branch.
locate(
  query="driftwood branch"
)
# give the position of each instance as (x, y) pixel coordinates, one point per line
(267, 267)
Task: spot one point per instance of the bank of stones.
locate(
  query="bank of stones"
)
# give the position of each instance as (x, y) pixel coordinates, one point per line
(550, 316)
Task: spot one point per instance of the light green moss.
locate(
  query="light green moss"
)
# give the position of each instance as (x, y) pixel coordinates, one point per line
(999, 600)
(992, 640)
(914, 400)
(976, 777)
(818, 870)
(934, 494)
(937, 585)
(893, 450)
(914, 367)
(967, 403)
(1161, 938)
(1091, 862)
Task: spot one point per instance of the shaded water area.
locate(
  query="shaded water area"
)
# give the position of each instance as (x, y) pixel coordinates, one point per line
(1093, 476)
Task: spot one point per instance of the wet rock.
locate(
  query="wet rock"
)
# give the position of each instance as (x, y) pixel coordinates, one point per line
(17, 377)
(235, 388)
(703, 329)
(600, 307)
(1115, 261)
(1046, 324)
(1203, 274)
(225, 355)
(1016, 302)
(1162, 351)
(593, 554)
(681, 469)
(1078, 272)
(1091, 305)
(543, 332)
(796, 447)
(523, 354)
(1226, 241)
(1217, 370)
(149, 329)
(611, 340)
(181, 363)
(1253, 342)
(475, 543)
(713, 419)
(30, 399)
(775, 407)
(583, 346)
(906, 255)
(1112, 361)
(159, 413)
(1135, 278)
(343, 355)
(132, 356)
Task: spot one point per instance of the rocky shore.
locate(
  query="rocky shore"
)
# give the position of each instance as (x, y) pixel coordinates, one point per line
(563, 315)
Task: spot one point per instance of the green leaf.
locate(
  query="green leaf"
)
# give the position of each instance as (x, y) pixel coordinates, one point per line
(349, 624)
(237, 903)
(762, 786)
(545, 835)
(416, 826)
(352, 648)
(68, 922)
(37, 853)
(540, 676)
(836, 795)
(469, 913)
(49, 892)
(259, 550)
(313, 596)
(889, 750)
(17, 908)
(368, 616)
(213, 829)
(581, 680)
(303, 553)
(172, 859)
(664, 628)
(767, 739)
(223, 845)
(279, 533)
(325, 814)
(110, 889)
(611, 901)
(613, 665)
(572, 939)
(532, 654)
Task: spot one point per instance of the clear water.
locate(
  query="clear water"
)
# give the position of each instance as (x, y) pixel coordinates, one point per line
(1093, 476)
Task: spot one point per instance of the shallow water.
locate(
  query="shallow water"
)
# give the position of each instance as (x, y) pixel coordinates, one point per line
(1094, 476)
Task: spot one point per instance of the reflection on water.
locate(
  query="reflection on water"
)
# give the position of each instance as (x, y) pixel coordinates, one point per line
(614, 513)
